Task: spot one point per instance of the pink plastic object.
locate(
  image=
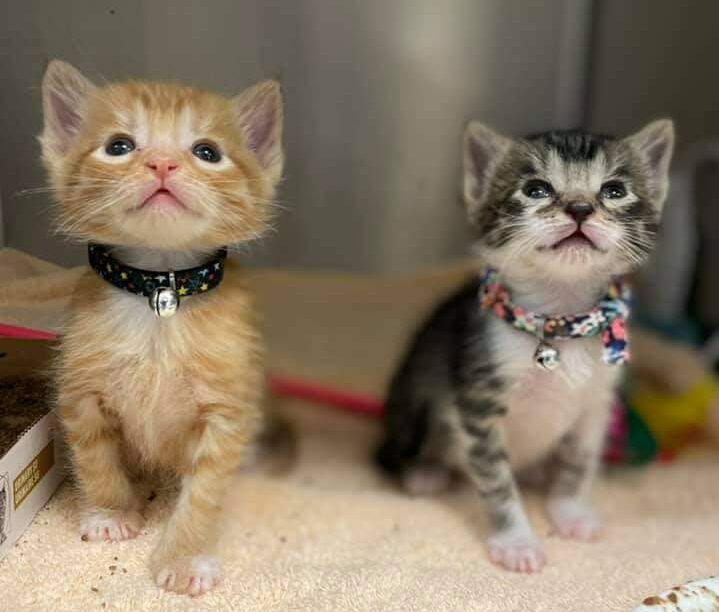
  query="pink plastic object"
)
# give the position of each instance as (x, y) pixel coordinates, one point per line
(25, 333)
(617, 435)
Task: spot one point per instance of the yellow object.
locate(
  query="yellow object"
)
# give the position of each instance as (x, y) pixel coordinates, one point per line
(673, 418)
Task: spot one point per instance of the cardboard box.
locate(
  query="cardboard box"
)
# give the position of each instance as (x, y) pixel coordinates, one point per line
(30, 457)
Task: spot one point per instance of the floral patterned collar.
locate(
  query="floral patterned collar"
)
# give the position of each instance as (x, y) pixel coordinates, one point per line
(164, 290)
(607, 318)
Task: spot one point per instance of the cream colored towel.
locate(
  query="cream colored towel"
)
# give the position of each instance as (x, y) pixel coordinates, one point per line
(332, 535)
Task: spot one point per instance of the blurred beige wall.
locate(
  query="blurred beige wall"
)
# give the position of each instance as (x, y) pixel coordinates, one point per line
(377, 92)
(656, 58)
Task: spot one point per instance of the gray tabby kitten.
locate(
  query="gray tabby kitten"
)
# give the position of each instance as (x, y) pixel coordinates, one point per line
(558, 215)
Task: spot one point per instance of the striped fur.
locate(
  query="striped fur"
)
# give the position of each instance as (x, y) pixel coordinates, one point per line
(467, 396)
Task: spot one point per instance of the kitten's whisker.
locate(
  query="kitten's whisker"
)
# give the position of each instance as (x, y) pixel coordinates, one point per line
(32, 191)
(75, 221)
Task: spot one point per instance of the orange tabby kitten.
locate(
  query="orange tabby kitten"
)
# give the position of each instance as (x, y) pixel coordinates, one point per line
(163, 176)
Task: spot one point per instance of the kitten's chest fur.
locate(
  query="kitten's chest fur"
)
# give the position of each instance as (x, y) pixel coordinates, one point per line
(154, 375)
(151, 390)
(543, 405)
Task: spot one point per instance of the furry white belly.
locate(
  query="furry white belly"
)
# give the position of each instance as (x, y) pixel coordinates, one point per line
(543, 405)
(146, 385)
(540, 412)
(154, 407)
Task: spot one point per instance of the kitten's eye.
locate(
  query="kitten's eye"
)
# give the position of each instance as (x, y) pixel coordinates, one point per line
(119, 145)
(614, 190)
(206, 152)
(537, 190)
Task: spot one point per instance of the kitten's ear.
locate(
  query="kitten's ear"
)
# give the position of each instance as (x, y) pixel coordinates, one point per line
(260, 112)
(64, 97)
(655, 142)
(483, 150)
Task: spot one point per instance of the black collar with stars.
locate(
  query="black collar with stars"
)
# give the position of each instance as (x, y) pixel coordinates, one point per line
(151, 283)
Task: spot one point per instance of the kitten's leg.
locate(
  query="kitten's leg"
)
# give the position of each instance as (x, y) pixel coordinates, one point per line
(513, 543)
(183, 561)
(112, 508)
(429, 473)
(577, 458)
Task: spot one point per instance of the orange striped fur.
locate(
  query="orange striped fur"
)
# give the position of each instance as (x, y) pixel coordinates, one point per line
(137, 392)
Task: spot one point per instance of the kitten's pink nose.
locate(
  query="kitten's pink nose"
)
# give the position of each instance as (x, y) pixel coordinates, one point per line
(162, 166)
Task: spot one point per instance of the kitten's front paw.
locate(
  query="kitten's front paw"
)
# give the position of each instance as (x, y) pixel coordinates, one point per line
(111, 525)
(517, 551)
(192, 576)
(574, 519)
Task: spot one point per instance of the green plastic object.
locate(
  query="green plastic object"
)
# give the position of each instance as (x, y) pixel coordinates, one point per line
(641, 445)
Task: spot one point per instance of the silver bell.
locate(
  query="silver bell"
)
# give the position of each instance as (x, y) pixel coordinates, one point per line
(164, 301)
(546, 356)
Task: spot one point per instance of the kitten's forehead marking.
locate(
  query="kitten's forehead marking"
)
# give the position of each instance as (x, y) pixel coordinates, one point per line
(138, 117)
(177, 127)
(575, 175)
(141, 125)
(186, 128)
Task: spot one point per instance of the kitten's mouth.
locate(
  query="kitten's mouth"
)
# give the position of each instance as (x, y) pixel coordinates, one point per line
(577, 239)
(162, 199)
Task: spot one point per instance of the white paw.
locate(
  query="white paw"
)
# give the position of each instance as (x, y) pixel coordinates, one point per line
(111, 525)
(192, 576)
(518, 551)
(574, 519)
(427, 480)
